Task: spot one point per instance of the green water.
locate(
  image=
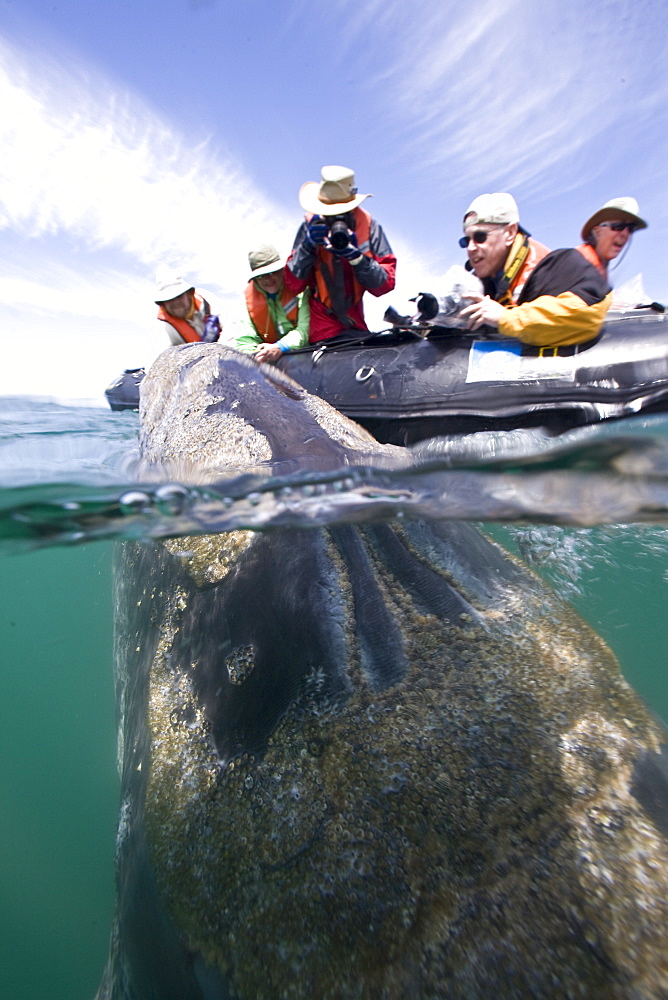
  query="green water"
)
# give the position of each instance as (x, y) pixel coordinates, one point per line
(617, 578)
(627, 605)
(58, 743)
(59, 788)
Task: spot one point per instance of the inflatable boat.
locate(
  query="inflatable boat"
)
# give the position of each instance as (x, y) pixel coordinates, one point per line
(415, 382)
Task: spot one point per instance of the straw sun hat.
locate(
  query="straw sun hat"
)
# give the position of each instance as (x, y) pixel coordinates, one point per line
(334, 194)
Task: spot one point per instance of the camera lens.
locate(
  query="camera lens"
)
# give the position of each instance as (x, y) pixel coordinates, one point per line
(339, 235)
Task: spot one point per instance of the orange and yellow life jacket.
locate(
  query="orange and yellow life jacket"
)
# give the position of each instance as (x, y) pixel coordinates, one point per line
(258, 310)
(524, 255)
(182, 326)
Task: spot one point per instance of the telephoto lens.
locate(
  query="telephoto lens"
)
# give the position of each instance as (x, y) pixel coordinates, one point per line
(339, 234)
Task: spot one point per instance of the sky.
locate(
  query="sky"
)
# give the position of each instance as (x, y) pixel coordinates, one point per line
(139, 134)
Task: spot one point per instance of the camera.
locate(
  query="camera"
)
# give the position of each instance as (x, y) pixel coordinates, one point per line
(339, 234)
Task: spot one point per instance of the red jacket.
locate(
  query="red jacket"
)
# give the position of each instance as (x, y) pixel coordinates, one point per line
(375, 274)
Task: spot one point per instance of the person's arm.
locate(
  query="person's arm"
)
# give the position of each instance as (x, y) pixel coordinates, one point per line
(243, 336)
(298, 337)
(295, 338)
(301, 261)
(551, 320)
(376, 274)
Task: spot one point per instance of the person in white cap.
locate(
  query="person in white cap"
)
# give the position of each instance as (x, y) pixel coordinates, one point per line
(183, 309)
(536, 296)
(276, 320)
(608, 231)
(340, 252)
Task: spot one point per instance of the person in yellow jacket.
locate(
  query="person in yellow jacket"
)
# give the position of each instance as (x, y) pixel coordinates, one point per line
(275, 320)
(534, 295)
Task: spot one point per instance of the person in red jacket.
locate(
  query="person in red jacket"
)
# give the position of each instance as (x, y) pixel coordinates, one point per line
(340, 252)
(608, 231)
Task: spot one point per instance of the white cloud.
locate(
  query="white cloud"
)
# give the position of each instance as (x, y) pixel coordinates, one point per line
(76, 157)
(96, 191)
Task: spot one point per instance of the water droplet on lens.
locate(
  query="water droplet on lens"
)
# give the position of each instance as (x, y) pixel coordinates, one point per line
(254, 499)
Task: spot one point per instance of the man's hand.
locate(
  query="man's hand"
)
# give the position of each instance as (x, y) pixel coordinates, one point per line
(483, 312)
(268, 352)
(349, 252)
(316, 231)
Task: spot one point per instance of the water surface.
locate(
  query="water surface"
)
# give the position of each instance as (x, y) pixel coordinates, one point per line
(57, 741)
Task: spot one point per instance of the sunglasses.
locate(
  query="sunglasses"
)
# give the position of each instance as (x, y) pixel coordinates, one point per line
(619, 227)
(479, 236)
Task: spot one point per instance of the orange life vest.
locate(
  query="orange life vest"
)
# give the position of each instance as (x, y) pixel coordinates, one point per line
(258, 310)
(324, 257)
(589, 252)
(188, 332)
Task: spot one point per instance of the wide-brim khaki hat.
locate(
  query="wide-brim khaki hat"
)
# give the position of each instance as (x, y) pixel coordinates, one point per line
(265, 260)
(169, 285)
(615, 210)
(335, 194)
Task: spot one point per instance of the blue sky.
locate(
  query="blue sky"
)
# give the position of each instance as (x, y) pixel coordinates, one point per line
(139, 133)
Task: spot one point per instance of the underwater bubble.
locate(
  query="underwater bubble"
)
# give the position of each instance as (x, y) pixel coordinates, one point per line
(171, 498)
(134, 502)
(74, 536)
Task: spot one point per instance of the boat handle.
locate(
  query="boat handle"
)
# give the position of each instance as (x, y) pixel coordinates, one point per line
(364, 373)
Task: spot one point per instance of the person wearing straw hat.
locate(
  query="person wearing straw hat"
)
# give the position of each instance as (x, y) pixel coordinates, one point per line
(608, 231)
(549, 299)
(184, 310)
(275, 319)
(340, 252)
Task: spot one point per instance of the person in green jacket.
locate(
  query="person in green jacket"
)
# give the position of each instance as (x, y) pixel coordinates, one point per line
(276, 320)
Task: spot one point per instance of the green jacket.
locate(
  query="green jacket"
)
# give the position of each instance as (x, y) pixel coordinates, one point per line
(248, 339)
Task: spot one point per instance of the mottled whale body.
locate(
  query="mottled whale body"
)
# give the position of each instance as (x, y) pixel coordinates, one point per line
(382, 761)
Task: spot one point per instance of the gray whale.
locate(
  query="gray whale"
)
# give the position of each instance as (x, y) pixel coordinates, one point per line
(380, 761)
